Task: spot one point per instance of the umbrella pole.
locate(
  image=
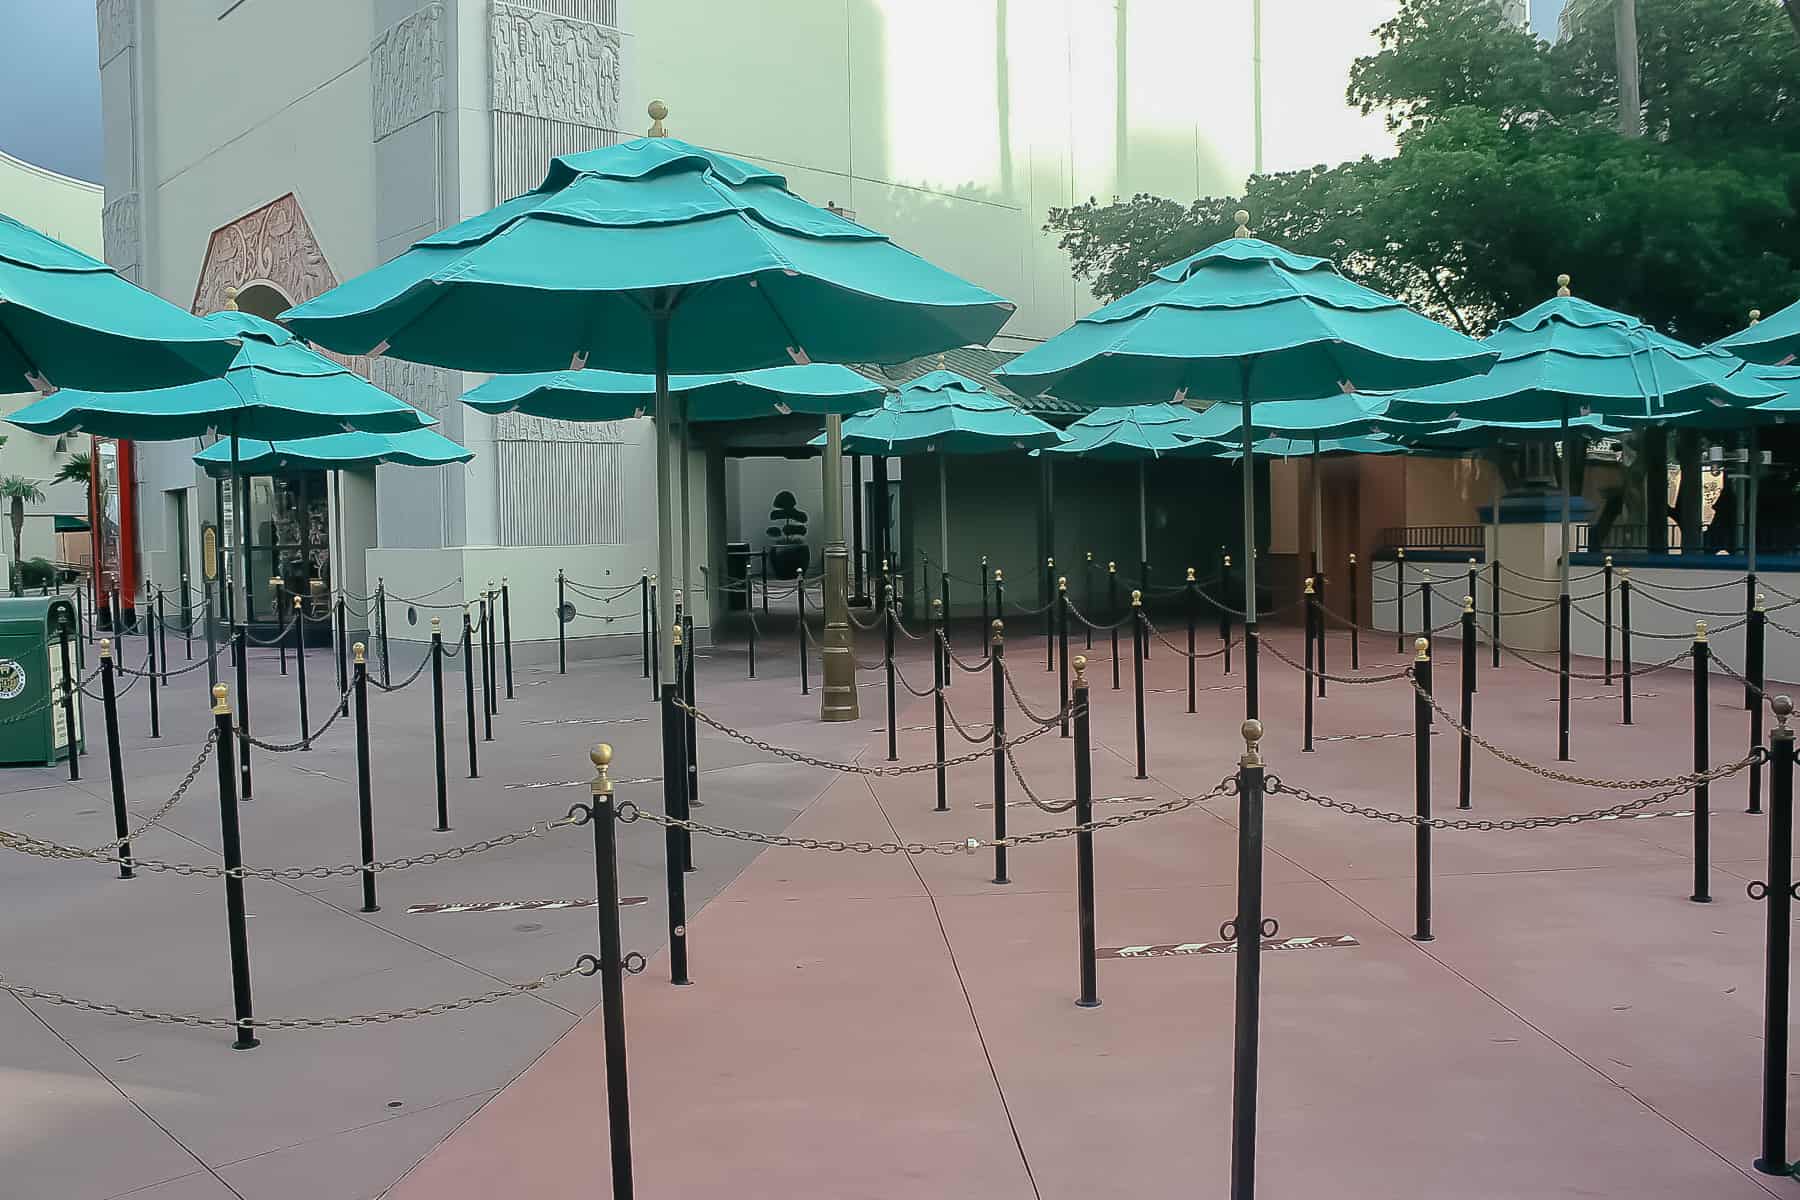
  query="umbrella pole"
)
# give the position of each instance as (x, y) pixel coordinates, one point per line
(684, 447)
(1250, 705)
(1562, 600)
(1318, 538)
(1143, 531)
(674, 724)
(837, 662)
(1750, 504)
(943, 517)
(240, 511)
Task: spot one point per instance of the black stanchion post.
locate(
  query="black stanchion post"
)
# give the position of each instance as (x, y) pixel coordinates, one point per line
(1400, 600)
(887, 666)
(1252, 698)
(506, 631)
(110, 701)
(206, 616)
(365, 811)
(645, 615)
(1624, 645)
(1062, 649)
(1050, 614)
(233, 854)
(1563, 605)
(1755, 639)
(1702, 759)
(1191, 592)
(1468, 700)
(490, 661)
(150, 647)
(1138, 632)
(1225, 616)
(487, 708)
(800, 626)
(1606, 591)
(601, 814)
(675, 809)
(656, 635)
(437, 723)
(1087, 594)
(1310, 619)
(468, 657)
(765, 592)
(1425, 596)
(562, 624)
(1778, 890)
(70, 686)
(243, 682)
(1247, 930)
(1355, 617)
(999, 670)
(984, 599)
(277, 605)
(750, 616)
(1422, 791)
(381, 631)
(940, 670)
(1474, 580)
(343, 665)
(1084, 840)
(300, 671)
(1113, 614)
(684, 641)
(162, 636)
(1318, 607)
(936, 627)
(1494, 609)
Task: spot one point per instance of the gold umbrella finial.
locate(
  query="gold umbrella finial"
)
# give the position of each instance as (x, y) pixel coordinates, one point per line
(231, 299)
(659, 112)
(1562, 285)
(1242, 217)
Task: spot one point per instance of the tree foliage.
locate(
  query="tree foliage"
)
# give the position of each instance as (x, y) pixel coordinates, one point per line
(1510, 170)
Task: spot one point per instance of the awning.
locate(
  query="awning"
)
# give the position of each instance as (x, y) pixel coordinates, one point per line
(71, 524)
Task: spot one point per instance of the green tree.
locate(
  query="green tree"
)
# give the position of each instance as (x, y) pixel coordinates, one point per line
(1509, 171)
(79, 469)
(19, 491)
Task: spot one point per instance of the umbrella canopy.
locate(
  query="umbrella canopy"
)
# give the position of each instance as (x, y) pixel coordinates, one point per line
(336, 451)
(1249, 321)
(1775, 339)
(1130, 433)
(1342, 415)
(1282, 447)
(656, 255)
(596, 395)
(276, 388)
(1568, 358)
(68, 320)
(947, 412)
(741, 272)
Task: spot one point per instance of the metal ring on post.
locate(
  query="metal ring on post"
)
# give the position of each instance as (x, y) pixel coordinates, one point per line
(634, 963)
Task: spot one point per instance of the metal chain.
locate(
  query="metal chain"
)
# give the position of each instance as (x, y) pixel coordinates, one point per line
(337, 710)
(1384, 677)
(1664, 665)
(415, 599)
(1681, 782)
(196, 665)
(1194, 654)
(1039, 611)
(1079, 616)
(51, 701)
(175, 797)
(1274, 785)
(26, 992)
(827, 764)
(975, 738)
(1761, 693)
(1541, 579)
(1688, 637)
(1055, 718)
(1049, 806)
(1698, 612)
(1700, 587)
(977, 669)
(871, 626)
(417, 671)
(901, 676)
(629, 812)
(41, 848)
(901, 626)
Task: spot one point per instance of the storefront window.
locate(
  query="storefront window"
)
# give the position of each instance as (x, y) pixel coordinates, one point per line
(290, 542)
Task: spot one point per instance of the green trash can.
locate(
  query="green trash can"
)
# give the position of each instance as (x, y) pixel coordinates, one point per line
(33, 725)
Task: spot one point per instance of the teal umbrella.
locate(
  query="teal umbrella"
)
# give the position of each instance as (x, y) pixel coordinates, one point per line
(596, 395)
(942, 412)
(1247, 321)
(275, 388)
(336, 451)
(69, 321)
(1132, 433)
(1568, 357)
(1282, 447)
(1773, 340)
(654, 256)
(1343, 415)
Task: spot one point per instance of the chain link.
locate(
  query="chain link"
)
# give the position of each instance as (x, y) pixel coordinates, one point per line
(962, 732)
(827, 764)
(376, 683)
(1384, 677)
(1275, 786)
(1194, 654)
(1055, 718)
(1665, 664)
(196, 1020)
(175, 797)
(337, 710)
(1049, 806)
(629, 812)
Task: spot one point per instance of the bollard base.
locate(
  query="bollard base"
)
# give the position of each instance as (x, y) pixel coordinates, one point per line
(1775, 1168)
(1424, 937)
(1002, 880)
(370, 908)
(245, 1043)
(440, 829)
(1701, 899)
(1087, 1004)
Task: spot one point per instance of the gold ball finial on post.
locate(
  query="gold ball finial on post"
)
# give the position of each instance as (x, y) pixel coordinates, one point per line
(676, 630)
(1759, 602)
(1699, 631)
(1309, 585)
(999, 575)
(601, 756)
(357, 650)
(1468, 604)
(1062, 583)
(1783, 707)
(1252, 732)
(231, 299)
(1562, 285)
(1242, 217)
(659, 112)
(1112, 568)
(1228, 562)
(1755, 315)
(997, 630)
(1137, 598)
(1190, 574)
(105, 647)
(1422, 650)
(296, 604)
(221, 701)
(1079, 662)
(437, 625)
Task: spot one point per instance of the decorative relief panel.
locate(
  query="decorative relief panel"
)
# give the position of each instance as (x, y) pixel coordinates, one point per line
(115, 24)
(517, 427)
(119, 231)
(272, 244)
(406, 70)
(428, 389)
(555, 67)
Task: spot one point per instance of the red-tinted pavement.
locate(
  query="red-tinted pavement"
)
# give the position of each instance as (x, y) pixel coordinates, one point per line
(886, 1027)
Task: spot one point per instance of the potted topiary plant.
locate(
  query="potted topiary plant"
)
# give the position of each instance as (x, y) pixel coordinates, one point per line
(788, 552)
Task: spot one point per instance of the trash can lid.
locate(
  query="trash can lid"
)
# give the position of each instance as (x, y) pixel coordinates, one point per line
(34, 615)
